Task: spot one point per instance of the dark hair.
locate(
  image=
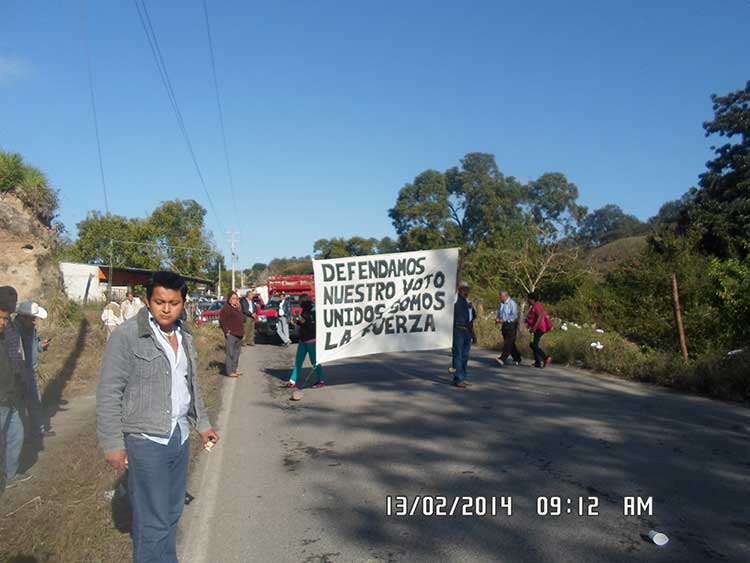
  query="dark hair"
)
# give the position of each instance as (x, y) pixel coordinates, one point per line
(167, 280)
(534, 296)
(8, 299)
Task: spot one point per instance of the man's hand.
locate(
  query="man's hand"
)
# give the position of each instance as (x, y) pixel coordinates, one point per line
(45, 344)
(498, 322)
(117, 459)
(209, 435)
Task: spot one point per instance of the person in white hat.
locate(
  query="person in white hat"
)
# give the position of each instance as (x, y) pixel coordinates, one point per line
(26, 315)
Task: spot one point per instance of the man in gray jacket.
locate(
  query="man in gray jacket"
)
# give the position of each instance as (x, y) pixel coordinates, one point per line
(147, 394)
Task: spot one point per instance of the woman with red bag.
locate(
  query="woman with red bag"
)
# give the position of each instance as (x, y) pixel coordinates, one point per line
(539, 324)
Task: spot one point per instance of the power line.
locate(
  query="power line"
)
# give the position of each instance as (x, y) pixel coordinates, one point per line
(84, 16)
(220, 110)
(153, 42)
(132, 242)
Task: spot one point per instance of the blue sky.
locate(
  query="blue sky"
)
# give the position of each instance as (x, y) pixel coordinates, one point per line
(332, 106)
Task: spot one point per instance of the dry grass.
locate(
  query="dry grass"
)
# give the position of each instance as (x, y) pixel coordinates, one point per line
(72, 521)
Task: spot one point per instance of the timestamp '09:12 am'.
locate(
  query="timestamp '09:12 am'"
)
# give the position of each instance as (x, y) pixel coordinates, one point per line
(429, 505)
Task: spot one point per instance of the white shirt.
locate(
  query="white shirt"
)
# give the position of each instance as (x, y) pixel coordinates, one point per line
(129, 309)
(180, 392)
(281, 308)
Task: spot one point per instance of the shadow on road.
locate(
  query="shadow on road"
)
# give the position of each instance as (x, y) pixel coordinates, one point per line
(526, 433)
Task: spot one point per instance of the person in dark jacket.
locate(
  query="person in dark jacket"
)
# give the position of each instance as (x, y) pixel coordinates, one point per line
(248, 312)
(12, 368)
(306, 344)
(463, 334)
(232, 325)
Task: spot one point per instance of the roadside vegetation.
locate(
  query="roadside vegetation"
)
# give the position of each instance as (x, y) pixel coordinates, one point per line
(73, 509)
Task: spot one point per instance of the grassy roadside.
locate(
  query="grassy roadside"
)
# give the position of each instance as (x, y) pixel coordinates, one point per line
(717, 375)
(71, 520)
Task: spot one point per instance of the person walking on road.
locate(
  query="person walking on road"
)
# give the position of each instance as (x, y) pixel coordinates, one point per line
(12, 368)
(232, 325)
(463, 334)
(26, 315)
(284, 313)
(148, 392)
(507, 318)
(306, 344)
(539, 324)
(248, 312)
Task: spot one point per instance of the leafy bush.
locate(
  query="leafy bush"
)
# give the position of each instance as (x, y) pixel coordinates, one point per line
(30, 186)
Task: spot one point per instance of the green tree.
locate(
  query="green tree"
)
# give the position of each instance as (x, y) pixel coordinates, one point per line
(178, 225)
(355, 246)
(721, 211)
(609, 223)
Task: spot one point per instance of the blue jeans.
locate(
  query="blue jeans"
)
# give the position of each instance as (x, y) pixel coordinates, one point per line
(461, 349)
(13, 440)
(157, 477)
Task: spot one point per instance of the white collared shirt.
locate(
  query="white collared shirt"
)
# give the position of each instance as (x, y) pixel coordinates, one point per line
(180, 392)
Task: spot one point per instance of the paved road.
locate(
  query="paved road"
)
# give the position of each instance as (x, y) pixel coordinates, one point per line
(307, 481)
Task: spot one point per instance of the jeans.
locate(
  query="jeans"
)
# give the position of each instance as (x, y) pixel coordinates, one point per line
(12, 427)
(38, 420)
(157, 478)
(303, 349)
(234, 347)
(510, 331)
(539, 356)
(282, 329)
(461, 349)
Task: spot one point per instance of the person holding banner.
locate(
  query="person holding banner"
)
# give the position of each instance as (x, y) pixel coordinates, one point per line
(306, 345)
(463, 334)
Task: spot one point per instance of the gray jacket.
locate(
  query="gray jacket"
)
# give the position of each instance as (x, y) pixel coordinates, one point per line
(135, 389)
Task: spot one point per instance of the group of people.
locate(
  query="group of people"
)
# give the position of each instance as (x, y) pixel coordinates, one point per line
(237, 321)
(114, 313)
(508, 317)
(22, 415)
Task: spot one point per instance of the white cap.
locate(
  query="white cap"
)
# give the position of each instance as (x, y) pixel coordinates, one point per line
(31, 309)
(463, 284)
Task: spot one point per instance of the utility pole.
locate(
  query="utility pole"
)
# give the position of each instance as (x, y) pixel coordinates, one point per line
(678, 317)
(233, 241)
(218, 287)
(111, 273)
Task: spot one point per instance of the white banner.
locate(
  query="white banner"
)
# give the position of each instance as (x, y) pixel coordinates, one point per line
(384, 303)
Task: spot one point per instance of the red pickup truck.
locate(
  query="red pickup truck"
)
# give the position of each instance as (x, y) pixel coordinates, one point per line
(294, 286)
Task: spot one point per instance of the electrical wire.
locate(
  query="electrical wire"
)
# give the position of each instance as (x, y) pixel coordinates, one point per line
(92, 97)
(153, 42)
(221, 112)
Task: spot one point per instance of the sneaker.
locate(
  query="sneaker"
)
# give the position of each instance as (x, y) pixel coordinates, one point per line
(518, 363)
(290, 384)
(49, 434)
(548, 361)
(319, 385)
(19, 478)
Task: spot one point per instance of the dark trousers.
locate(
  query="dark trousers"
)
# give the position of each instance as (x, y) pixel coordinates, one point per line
(234, 347)
(539, 356)
(461, 349)
(157, 478)
(510, 331)
(249, 331)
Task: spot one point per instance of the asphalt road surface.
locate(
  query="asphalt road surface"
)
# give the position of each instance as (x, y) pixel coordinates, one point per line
(307, 481)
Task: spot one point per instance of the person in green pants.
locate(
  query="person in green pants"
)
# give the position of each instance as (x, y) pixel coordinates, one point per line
(306, 345)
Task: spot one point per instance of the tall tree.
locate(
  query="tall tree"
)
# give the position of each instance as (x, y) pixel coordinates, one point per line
(609, 223)
(722, 205)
